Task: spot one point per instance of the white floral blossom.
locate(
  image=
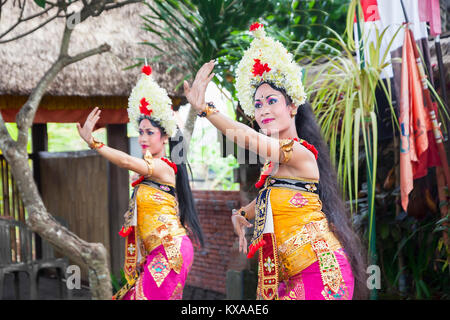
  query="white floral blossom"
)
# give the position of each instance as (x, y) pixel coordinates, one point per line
(158, 101)
(284, 71)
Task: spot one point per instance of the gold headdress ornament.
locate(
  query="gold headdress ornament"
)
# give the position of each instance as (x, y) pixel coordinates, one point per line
(148, 98)
(267, 60)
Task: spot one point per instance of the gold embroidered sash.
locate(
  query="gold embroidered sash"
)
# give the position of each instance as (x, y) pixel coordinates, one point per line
(313, 234)
(268, 268)
(159, 229)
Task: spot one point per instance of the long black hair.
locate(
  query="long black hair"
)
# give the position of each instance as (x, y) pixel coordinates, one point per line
(332, 203)
(186, 205)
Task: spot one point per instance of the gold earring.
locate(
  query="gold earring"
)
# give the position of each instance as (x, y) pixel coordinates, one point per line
(293, 113)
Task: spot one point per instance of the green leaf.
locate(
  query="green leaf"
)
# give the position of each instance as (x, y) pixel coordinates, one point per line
(40, 3)
(384, 231)
(445, 265)
(133, 66)
(424, 288)
(115, 283)
(440, 228)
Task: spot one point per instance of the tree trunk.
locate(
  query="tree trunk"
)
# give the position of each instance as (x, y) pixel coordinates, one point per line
(93, 255)
(189, 126)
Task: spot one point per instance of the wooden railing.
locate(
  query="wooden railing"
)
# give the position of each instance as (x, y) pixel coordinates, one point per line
(11, 204)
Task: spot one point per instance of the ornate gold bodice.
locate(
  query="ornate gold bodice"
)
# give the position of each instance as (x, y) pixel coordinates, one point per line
(298, 221)
(156, 209)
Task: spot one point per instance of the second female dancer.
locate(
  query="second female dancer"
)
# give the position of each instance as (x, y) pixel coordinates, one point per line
(158, 251)
(307, 247)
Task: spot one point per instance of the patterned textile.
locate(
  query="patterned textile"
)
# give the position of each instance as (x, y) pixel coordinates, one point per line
(297, 249)
(308, 284)
(156, 281)
(158, 252)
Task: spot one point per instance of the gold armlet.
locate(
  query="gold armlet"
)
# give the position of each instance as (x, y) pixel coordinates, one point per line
(148, 158)
(286, 147)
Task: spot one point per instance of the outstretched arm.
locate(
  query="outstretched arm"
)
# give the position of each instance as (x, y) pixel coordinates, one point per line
(244, 136)
(161, 170)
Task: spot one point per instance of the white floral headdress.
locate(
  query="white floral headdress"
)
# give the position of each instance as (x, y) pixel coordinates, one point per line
(148, 98)
(267, 60)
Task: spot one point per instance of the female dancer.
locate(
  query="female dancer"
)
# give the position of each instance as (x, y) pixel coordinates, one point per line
(307, 248)
(158, 252)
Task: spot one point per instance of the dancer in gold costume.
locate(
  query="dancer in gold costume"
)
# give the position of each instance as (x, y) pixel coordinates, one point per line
(158, 251)
(307, 248)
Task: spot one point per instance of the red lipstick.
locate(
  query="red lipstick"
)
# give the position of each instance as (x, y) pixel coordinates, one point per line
(265, 121)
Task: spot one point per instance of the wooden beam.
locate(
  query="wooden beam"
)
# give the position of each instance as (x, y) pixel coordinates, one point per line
(118, 196)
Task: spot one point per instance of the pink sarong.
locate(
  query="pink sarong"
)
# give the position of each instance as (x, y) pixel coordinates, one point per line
(308, 285)
(157, 281)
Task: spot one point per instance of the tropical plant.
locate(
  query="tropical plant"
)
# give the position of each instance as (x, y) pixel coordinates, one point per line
(117, 283)
(196, 31)
(343, 96)
(412, 251)
(296, 22)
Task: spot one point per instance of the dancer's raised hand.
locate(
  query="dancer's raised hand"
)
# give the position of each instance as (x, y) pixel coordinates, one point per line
(85, 132)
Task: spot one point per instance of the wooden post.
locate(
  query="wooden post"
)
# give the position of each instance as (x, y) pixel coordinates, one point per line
(39, 142)
(118, 196)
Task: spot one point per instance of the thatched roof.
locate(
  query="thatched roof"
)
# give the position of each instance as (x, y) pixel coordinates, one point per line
(24, 61)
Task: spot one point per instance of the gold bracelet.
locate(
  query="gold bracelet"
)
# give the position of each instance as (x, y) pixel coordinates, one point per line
(209, 110)
(148, 158)
(239, 212)
(95, 144)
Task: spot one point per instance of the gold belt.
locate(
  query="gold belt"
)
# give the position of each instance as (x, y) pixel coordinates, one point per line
(154, 240)
(297, 252)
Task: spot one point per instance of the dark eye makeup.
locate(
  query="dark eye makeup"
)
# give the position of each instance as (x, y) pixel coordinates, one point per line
(148, 131)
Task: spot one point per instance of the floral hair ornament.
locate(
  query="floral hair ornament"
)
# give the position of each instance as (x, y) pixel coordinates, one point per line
(267, 60)
(148, 98)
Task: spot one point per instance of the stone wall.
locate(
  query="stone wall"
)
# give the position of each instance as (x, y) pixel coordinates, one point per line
(213, 260)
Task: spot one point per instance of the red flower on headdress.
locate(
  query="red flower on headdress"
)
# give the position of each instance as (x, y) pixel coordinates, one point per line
(259, 68)
(147, 70)
(143, 108)
(255, 26)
